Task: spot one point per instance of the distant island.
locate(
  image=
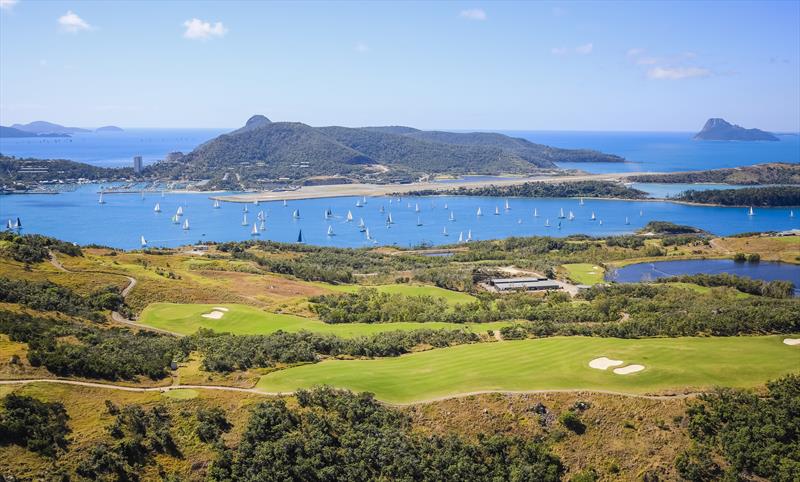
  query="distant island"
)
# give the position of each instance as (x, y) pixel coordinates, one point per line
(770, 196)
(109, 129)
(12, 132)
(717, 129)
(264, 152)
(771, 173)
(44, 127)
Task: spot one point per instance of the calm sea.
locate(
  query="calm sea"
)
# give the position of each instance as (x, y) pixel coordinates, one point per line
(124, 218)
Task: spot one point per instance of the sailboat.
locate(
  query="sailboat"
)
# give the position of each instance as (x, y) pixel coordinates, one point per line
(349, 216)
(445, 205)
(216, 204)
(366, 233)
(9, 225)
(561, 214)
(330, 231)
(559, 225)
(496, 211)
(416, 208)
(469, 235)
(244, 219)
(142, 192)
(244, 210)
(389, 219)
(581, 202)
(284, 203)
(157, 208)
(358, 204)
(254, 231)
(101, 201)
(143, 242)
(791, 214)
(601, 222)
(364, 200)
(593, 216)
(179, 212)
(452, 216)
(627, 221)
(361, 225)
(479, 213)
(175, 219)
(186, 224)
(296, 214)
(535, 213)
(547, 223)
(444, 231)
(263, 226)
(300, 237)
(18, 224)
(461, 236)
(255, 202)
(419, 221)
(751, 213)
(261, 216)
(507, 207)
(571, 216)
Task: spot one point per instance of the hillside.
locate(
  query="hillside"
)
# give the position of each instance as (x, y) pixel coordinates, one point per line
(717, 129)
(264, 152)
(23, 172)
(12, 132)
(44, 127)
(773, 173)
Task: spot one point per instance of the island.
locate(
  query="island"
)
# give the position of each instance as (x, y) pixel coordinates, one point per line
(12, 132)
(769, 173)
(44, 127)
(109, 129)
(718, 129)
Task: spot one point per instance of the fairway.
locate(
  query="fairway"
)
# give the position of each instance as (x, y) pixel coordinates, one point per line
(585, 273)
(557, 363)
(452, 297)
(246, 320)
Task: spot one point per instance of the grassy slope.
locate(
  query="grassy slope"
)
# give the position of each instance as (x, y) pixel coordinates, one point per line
(585, 273)
(452, 297)
(552, 363)
(241, 319)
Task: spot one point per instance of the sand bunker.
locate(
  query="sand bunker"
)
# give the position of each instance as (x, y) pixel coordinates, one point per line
(220, 308)
(214, 315)
(628, 369)
(602, 363)
(791, 341)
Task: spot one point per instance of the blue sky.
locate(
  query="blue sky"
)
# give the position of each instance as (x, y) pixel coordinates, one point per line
(662, 66)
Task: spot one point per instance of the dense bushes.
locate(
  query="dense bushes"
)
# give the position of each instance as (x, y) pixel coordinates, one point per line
(373, 306)
(774, 289)
(48, 296)
(38, 426)
(340, 436)
(33, 248)
(772, 196)
(756, 436)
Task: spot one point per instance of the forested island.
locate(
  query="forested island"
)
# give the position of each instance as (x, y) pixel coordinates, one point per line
(771, 196)
(18, 173)
(771, 173)
(604, 189)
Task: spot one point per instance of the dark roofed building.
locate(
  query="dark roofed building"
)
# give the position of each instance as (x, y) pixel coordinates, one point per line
(524, 284)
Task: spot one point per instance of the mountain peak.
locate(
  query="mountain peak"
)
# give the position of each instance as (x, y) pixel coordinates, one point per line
(718, 129)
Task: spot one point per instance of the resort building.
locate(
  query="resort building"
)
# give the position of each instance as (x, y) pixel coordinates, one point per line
(523, 284)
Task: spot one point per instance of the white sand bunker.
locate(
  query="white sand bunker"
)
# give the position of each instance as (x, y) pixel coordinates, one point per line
(791, 341)
(214, 315)
(628, 369)
(220, 308)
(603, 363)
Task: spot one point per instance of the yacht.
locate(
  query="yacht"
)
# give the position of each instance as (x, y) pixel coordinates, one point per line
(389, 219)
(496, 211)
(507, 205)
(296, 214)
(561, 214)
(144, 242)
(179, 212)
(349, 216)
(185, 224)
(330, 231)
(751, 212)
(479, 213)
(216, 204)
(452, 217)
(244, 219)
(469, 235)
(571, 216)
(419, 221)
(547, 223)
(254, 231)
(535, 213)
(157, 208)
(444, 231)
(461, 237)
(101, 201)
(593, 216)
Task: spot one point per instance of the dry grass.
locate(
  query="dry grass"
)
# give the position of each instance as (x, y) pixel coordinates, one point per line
(786, 249)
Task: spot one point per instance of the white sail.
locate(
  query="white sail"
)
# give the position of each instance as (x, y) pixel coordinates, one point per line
(581, 203)
(360, 222)
(535, 213)
(296, 214)
(101, 201)
(461, 236)
(367, 234)
(244, 210)
(547, 222)
(254, 231)
(175, 219)
(186, 225)
(416, 208)
(244, 219)
(469, 235)
(507, 206)
(389, 219)
(561, 214)
(157, 208)
(452, 217)
(216, 204)
(751, 213)
(330, 231)
(641, 212)
(349, 216)
(261, 216)
(445, 205)
(179, 212)
(144, 242)
(601, 222)
(9, 224)
(364, 200)
(519, 221)
(626, 220)
(263, 226)
(479, 213)
(255, 202)
(284, 203)
(496, 210)
(444, 231)
(419, 222)
(571, 216)
(358, 204)
(593, 216)
(791, 214)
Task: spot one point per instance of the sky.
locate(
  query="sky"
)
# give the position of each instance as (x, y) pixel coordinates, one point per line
(600, 66)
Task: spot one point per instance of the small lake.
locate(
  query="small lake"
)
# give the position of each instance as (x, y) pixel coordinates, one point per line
(764, 270)
(76, 216)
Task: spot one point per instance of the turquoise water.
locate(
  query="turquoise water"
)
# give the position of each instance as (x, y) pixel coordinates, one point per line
(767, 271)
(77, 216)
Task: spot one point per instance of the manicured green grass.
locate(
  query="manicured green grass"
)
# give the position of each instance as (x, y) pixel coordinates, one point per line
(246, 320)
(551, 364)
(452, 297)
(585, 273)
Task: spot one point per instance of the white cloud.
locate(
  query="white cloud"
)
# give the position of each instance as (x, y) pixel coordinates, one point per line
(197, 29)
(474, 14)
(585, 49)
(7, 4)
(70, 22)
(362, 48)
(677, 73)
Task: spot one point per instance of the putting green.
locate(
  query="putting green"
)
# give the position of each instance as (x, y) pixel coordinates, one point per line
(552, 364)
(246, 320)
(585, 273)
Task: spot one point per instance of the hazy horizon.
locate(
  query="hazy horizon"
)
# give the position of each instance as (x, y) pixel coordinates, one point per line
(555, 66)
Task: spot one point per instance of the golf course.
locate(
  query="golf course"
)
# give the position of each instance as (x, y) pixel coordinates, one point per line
(247, 320)
(558, 363)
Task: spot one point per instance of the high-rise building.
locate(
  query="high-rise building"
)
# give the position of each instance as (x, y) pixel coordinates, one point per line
(137, 164)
